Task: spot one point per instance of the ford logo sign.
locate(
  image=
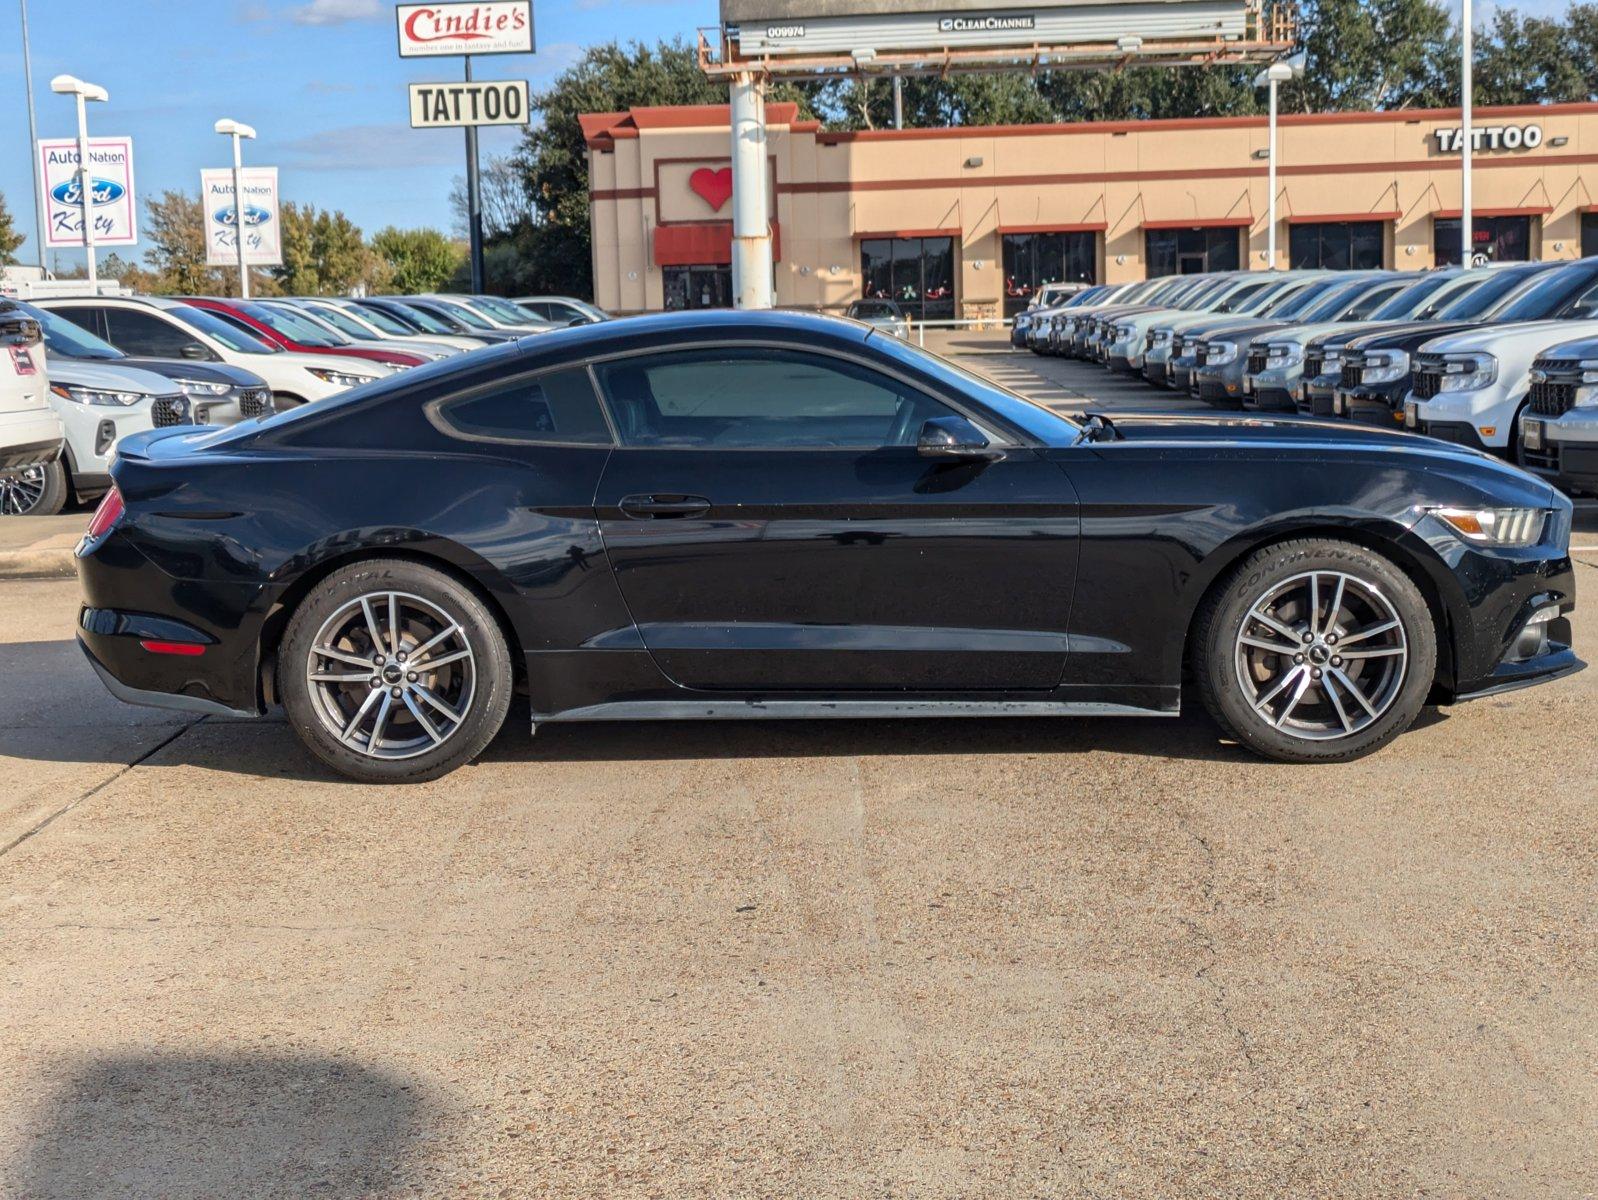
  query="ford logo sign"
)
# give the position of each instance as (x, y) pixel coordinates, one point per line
(105, 191)
(253, 216)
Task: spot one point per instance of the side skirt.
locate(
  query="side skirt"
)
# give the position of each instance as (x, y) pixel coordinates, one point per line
(734, 710)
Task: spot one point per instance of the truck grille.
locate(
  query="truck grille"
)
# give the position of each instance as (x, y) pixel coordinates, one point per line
(170, 410)
(1256, 360)
(254, 402)
(1353, 372)
(1555, 395)
(1314, 363)
(1428, 378)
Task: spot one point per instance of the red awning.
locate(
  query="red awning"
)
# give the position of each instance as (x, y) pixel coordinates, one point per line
(703, 245)
(1527, 210)
(1058, 227)
(1340, 218)
(907, 233)
(1201, 222)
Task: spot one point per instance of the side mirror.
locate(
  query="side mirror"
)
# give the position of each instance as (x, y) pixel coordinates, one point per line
(194, 351)
(954, 437)
(576, 321)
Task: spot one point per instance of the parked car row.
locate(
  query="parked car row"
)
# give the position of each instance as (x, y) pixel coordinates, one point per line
(79, 374)
(1503, 360)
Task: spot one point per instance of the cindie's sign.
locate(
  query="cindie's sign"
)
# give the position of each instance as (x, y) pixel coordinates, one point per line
(495, 27)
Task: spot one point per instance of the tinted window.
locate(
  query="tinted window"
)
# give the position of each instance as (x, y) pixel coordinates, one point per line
(559, 407)
(242, 340)
(747, 397)
(68, 339)
(143, 333)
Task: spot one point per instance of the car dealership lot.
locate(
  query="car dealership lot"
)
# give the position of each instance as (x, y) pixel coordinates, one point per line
(913, 958)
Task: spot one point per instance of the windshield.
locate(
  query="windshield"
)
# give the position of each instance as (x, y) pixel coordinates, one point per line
(1547, 295)
(389, 323)
(1271, 293)
(1295, 303)
(1412, 299)
(461, 313)
(219, 330)
(503, 309)
(426, 320)
(67, 339)
(342, 321)
(1334, 299)
(293, 327)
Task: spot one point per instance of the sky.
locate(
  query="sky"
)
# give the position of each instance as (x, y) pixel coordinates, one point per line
(320, 80)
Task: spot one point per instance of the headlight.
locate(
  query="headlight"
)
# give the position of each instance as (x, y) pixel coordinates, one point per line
(97, 396)
(1283, 354)
(1161, 337)
(1385, 366)
(1331, 361)
(1122, 333)
(203, 387)
(1022, 321)
(1495, 526)
(340, 378)
(1468, 372)
(1589, 370)
(1220, 353)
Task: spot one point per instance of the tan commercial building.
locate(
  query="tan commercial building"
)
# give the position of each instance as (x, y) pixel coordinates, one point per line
(968, 222)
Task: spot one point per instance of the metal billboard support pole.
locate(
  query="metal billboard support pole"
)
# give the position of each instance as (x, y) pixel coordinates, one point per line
(751, 224)
(1467, 239)
(86, 194)
(33, 140)
(898, 101)
(474, 198)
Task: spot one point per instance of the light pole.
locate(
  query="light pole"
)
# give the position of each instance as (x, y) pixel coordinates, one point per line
(1467, 240)
(71, 85)
(1281, 71)
(33, 141)
(238, 131)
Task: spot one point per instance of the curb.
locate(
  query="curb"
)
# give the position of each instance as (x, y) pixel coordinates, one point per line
(53, 563)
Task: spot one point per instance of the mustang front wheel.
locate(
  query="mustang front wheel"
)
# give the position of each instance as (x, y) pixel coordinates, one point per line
(1315, 651)
(392, 672)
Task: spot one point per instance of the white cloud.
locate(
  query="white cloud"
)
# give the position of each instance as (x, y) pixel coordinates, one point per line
(335, 12)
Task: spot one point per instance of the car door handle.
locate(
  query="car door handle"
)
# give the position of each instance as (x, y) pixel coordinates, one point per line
(664, 505)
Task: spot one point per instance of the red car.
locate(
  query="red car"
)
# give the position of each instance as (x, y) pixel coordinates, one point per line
(278, 328)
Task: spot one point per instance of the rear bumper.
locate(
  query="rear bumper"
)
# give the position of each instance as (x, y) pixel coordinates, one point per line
(32, 454)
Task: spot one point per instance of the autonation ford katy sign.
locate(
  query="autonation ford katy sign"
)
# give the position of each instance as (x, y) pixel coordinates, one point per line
(434, 30)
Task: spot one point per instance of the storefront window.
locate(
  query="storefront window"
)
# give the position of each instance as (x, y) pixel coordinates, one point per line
(918, 273)
(1336, 246)
(1499, 239)
(698, 287)
(1034, 259)
(1193, 251)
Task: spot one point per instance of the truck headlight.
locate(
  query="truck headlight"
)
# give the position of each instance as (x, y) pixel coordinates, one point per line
(1495, 526)
(1220, 353)
(100, 397)
(1468, 372)
(1161, 337)
(1589, 370)
(1386, 366)
(1331, 361)
(1283, 354)
(203, 387)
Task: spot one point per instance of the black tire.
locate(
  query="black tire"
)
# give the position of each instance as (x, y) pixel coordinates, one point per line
(34, 491)
(480, 687)
(1233, 677)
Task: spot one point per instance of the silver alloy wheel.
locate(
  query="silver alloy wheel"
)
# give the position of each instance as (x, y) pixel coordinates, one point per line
(21, 490)
(391, 675)
(1321, 655)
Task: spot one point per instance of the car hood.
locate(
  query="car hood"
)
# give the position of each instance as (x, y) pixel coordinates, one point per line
(1347, 332)
(116, 378)
(1301, 334)
(1517, 335)
(1409, 334)
(1245, 331)
(1586, 347)
(333, 362)
(206, 372)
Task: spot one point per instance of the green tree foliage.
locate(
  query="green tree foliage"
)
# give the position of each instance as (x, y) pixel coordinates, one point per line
(174, 227)
(10, 236)
(417, 260)
(324, 254)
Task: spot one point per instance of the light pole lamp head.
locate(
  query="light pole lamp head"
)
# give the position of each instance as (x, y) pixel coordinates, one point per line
(231, 128)
(71, 85)
(1283, 70)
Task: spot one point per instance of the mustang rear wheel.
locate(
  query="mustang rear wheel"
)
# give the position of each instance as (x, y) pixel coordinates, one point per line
(392, 672)
(1315, 651)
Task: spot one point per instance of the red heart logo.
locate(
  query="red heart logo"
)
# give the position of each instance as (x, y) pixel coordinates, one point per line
(713, 187)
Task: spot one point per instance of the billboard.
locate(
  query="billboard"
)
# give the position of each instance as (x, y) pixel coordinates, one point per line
(112, 206)
(493, 27)
(263, 241)
(483, 102)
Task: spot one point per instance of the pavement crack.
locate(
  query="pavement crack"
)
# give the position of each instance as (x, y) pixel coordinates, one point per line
(98, 788)
(1206, 940)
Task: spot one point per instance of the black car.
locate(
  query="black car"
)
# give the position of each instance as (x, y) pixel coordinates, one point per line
(706, 515)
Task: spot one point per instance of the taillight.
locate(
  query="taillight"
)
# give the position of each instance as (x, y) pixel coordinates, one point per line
(108, 514)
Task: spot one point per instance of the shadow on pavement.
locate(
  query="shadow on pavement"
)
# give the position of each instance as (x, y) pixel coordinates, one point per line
(193, 1126)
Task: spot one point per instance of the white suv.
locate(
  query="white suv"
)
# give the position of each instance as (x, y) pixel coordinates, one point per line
(30, 432)
(155, 327)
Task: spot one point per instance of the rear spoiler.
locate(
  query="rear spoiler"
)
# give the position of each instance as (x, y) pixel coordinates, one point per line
(137, 445)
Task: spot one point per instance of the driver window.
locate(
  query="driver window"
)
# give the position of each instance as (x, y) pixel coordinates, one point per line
(1584, 305)
(745, 398)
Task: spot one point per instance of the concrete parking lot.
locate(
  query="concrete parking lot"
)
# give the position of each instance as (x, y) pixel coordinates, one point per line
(919, 959)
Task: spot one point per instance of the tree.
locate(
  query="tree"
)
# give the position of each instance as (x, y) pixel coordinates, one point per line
(174, 225)
(417, 260)
(10, 238)
(324, 253)
(505, 205)
(1363, 55)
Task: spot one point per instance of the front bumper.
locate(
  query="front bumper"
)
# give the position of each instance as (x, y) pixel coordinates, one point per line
(1270, 390)
(1372, 404)
(1315, 397)
(1563, 449)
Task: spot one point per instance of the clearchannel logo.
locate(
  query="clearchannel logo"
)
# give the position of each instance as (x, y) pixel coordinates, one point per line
(992, 23)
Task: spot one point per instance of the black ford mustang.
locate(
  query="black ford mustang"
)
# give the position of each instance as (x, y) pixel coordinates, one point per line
(771, 514)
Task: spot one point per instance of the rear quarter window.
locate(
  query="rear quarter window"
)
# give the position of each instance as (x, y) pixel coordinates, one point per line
(557, 407)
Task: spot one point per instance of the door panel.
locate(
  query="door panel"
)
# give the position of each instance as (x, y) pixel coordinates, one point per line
(794, 570)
